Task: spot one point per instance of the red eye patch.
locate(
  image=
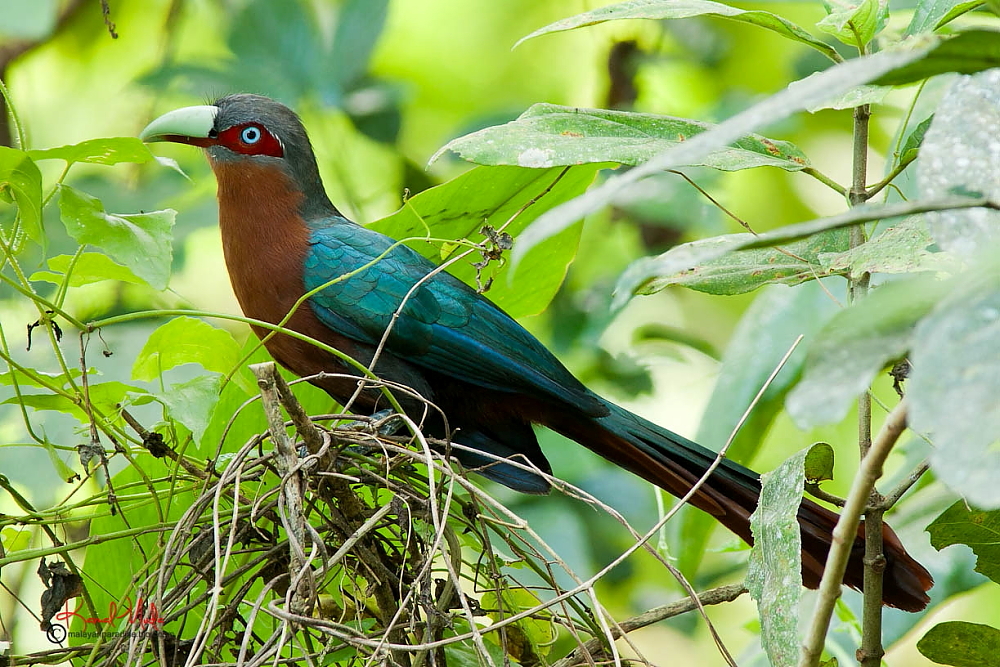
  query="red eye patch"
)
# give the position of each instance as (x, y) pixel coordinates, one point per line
(251, 139)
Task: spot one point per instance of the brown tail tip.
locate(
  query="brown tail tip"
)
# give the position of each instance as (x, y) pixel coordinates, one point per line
(905, 582)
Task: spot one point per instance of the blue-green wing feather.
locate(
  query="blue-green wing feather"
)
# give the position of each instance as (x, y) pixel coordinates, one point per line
(444, 326)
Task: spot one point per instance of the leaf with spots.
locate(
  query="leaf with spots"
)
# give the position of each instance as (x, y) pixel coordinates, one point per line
(549, 135)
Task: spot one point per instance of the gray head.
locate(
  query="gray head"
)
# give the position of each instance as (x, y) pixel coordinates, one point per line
(245, 127)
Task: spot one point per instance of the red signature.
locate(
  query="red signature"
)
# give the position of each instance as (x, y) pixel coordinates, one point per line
(140, 614)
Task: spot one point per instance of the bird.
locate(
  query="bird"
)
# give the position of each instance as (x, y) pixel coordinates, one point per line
(447, 343)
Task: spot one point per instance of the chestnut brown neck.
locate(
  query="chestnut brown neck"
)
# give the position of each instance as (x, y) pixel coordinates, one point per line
(264, 238)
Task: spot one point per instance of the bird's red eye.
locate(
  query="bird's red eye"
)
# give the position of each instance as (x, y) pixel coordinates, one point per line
(251, 139)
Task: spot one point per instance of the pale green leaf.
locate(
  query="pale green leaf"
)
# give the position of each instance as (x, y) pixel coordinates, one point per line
(107, 151)
(549, 135)
(185, 340)
(774, 574)
(140, 241)
(90, 267)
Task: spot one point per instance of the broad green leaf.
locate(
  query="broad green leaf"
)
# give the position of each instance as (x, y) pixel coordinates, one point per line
(818, 464)
(955, 383)
(140, 241)
(185, 340)
(745, 270)
(108, 151)
(750, 358)
(491, 196)
(57, 379)
(901, 248)
(965, 53)
(90, 267)
(975, 528)
(854, 23)
(192, 402)
(856, 344)
(960, 153)
(536, 635)
(961, 644)
(829, 84)
(19, 176)
(549, 135)
(682, 9)
(774, 574)
(932, 14)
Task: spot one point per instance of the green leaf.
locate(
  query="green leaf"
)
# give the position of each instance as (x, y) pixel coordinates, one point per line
(186, 340)
(743, 270)
(818, 464)
(901, 248)
(491, 196)
(856, 344)
(750, 358)
(774, 575)
(815, 90)
(961, 644)
(104, 396)
(965, 53)
(854, 97)
(682, 9)
(140, 241)
(932, 14)
(107, 151)
(911, 146)
(15, 539)
(955, 382)
(975, 528)
(20, 177)
(549, 135)
(854, 23)
(192, 402)
(960, 154)
(90, 267)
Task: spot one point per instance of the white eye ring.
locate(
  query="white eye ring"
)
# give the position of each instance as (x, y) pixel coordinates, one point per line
(250, 135)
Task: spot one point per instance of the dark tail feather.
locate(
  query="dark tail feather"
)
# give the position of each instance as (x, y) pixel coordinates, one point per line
(730, 495)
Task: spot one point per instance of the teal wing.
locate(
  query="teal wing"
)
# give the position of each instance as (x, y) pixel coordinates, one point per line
(443, 324)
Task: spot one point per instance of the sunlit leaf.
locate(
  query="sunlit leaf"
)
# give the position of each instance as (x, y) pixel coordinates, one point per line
(20, 177)
(901, 248)
(90, 267)
(682, 9)
(140, 241)
(549, 135)
(185, 340)
(930, 15)
(491, 196)
(854, 23)
(965, 53)
(108, 151)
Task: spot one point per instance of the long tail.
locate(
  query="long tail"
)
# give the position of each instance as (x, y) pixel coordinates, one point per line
(730, 495)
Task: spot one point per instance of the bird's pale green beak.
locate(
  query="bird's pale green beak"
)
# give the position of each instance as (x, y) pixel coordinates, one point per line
(189, 125)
